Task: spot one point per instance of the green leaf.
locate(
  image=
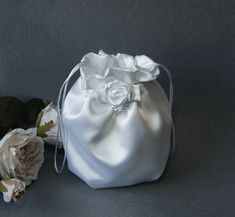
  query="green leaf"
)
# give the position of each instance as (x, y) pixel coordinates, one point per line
(3, 132)
(32, 109)
(2, 188)
(44, 128)
(11, 112)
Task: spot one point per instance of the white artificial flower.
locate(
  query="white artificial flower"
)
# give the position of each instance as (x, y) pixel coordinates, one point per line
(15, 190)
(50, 114)
(119, 94)
(21, 155)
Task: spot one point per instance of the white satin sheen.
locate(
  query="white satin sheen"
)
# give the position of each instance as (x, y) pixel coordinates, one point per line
(106, 148)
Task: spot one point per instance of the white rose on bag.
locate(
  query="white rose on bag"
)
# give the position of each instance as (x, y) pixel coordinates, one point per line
(118, 95)
(48, 124)
(21, 155)
(15, 190)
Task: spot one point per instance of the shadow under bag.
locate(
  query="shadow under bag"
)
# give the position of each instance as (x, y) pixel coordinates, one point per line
(115, 121)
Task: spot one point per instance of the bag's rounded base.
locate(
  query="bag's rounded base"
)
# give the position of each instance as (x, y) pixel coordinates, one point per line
(114, 150)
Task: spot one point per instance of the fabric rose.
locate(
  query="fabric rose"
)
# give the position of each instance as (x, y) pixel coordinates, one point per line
(21, 155)
(118, 95)
(48, 124)
(99, 69)
(15, 190)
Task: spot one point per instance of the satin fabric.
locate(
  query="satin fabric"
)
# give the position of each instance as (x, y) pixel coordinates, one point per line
(117, 121)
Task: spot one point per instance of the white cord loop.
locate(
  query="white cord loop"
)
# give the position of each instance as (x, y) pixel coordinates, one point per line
(61, 130)
(171, 98)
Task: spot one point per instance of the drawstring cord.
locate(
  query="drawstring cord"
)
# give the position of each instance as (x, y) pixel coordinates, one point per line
(171, 98)
(61, 129)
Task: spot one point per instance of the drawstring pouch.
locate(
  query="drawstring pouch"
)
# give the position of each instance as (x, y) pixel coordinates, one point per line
(115, 122)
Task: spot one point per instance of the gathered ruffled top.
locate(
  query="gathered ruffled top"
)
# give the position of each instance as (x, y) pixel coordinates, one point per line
(116, 77)
(100, 69)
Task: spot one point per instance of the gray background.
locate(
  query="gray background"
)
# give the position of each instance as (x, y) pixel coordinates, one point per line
(40, 41)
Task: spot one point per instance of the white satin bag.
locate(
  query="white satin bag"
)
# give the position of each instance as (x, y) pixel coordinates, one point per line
(115, 121)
